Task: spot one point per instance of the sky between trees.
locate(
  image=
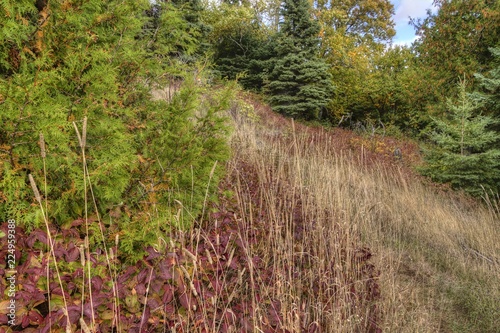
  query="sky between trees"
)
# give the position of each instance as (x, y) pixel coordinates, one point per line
(405, 33)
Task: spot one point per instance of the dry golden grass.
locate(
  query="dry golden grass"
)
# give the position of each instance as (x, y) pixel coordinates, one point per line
(435, 255)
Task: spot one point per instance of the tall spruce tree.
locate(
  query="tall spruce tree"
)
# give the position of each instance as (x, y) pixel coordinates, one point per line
(299, 84)
(466, 153)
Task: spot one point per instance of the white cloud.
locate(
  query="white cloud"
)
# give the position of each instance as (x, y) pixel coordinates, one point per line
(411, 8)
(404, 9)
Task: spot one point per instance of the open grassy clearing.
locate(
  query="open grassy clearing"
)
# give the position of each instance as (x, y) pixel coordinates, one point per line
(436, 254)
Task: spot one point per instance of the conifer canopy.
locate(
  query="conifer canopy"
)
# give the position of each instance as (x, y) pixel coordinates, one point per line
(299, 84)
(466, 153)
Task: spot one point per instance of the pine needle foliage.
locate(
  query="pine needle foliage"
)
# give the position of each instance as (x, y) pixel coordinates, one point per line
(490, 84)
(466, 153)
(241, 44)
(299, 84)
(66, 60)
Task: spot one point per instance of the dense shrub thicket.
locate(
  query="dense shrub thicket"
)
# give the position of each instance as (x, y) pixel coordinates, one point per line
(70, 69)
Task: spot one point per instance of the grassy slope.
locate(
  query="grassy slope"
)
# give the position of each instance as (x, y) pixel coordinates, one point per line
(325, 231)
(326, 194)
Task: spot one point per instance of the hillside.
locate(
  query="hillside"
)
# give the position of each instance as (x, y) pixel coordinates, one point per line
(315, 230)
(152, 180)
(429, 257)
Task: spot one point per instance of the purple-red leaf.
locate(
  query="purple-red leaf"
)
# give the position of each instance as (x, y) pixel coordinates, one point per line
(96, 283)
(153, 254)
(72, 253)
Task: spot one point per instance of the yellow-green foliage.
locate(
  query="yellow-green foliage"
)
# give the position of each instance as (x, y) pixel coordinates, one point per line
(68, 61)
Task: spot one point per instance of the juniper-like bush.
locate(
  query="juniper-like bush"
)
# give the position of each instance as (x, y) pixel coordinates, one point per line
(64, 61)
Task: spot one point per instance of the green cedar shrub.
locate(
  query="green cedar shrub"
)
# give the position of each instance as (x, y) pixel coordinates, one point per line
(70, 60)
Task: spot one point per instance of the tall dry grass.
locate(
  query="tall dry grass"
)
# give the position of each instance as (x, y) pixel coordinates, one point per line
(321, 275)
(435, 263)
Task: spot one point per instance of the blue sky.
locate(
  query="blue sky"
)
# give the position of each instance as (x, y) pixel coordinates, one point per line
(405, 34)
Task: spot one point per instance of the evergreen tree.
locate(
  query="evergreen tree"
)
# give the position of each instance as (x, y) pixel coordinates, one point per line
(192, 12)
(241, 44)
(185, 44)
(466, 153)
(299, 84)
(245, 60)
(490, 83)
